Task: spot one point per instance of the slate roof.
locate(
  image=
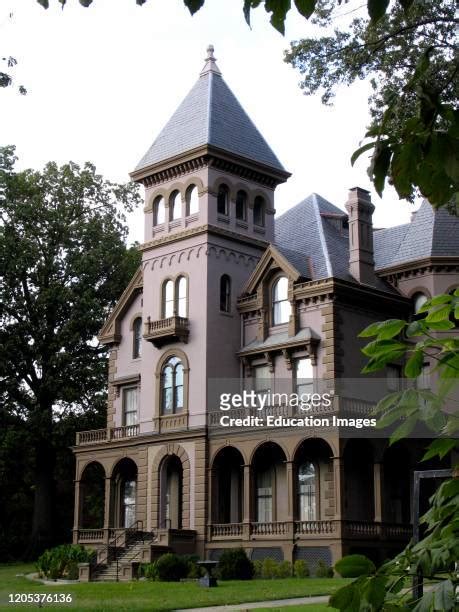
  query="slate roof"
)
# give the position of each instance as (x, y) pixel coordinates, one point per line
(432, 233)
(310, 230)
(313, 236)
(210, 115)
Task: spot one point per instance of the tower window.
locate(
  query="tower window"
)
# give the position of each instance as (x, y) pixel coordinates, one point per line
(241, 206)
(175, 205)
(172, 386)
(259, 211)
(192, 200)
(225, 293)
(175, 298)
(130, 406)
(281, 307)
(137, 338)
(223, 200)
(159, 211)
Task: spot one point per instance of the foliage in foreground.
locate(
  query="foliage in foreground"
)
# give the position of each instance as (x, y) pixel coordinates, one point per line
(171, 567)
(435, 556)
(62, 561)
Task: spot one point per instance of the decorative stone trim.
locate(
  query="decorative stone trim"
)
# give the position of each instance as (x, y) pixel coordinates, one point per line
(167, 451)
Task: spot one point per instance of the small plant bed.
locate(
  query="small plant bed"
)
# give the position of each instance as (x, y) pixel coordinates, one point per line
(159, 596)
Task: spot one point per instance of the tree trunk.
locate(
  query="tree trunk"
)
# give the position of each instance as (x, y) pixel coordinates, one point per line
(42, 522)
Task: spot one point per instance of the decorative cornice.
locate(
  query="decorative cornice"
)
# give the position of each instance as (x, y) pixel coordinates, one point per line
(270, 255)
(427, 264)
(209, 156)
(202, 229)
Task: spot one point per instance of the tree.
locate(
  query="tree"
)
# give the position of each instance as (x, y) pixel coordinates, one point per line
(412, 59)
(435, 556)
(63, 264)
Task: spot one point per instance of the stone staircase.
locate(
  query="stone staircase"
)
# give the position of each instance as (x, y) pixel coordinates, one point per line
(132, 552)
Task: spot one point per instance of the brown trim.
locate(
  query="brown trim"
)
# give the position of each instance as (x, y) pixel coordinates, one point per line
(450, 261)
(269, 256)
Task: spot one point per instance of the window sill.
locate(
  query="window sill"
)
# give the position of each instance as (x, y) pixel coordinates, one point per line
(175, 223)
(241, 223)
(223, 218)
(226, 314)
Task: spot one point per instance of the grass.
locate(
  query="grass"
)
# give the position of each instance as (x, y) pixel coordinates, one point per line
(159, 596)
(303, 608)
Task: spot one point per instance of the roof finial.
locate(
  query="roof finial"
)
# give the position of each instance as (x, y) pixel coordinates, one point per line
(210, 65)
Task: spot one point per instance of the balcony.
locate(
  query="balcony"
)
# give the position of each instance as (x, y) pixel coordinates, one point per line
(164, 331)
(99, 436)
(310, 530)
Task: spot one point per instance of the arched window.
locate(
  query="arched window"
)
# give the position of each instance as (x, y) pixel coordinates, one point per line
(259, 211)
(137, 338)
(172, 386)
(223, 200)
(175, 298)
(241, 206)
(419, 299)
(225, 293)
(168, 299)
(307, 491)
(175, 206)
(192, 201)
(181, 292)
(159, 211)
(280, 305)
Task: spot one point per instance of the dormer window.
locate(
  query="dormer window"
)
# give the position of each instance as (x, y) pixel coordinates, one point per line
(281, 308)
(137, 338)
(159, 211)
(241, 206)
(259, 211)
(175, 205)
(175, 298)
(225, 293)
(192, 200)
(223, 200)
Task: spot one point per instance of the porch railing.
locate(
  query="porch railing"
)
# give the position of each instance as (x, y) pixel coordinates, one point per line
(96, 436)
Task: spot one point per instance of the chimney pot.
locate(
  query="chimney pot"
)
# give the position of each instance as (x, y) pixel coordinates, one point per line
(360, 211)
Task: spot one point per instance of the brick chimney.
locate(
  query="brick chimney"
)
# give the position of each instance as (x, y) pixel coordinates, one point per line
(360, 211)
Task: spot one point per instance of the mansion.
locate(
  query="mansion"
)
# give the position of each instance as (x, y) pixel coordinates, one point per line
(228, 292)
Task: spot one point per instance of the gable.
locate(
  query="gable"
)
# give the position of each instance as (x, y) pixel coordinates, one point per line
(110, 332)
(272, 258)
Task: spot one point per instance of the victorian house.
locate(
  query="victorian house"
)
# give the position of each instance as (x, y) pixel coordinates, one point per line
(228, 291)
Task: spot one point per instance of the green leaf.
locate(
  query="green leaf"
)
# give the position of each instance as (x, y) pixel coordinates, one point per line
(439, 314)
(391, 416)
(381, 360)
(444, 596)
(381, 347)
(406, 4)
(85, 3)
(413, 366)
(415, 328)
(371, 330)
(438, 300)
(377, 9)
(375, 592)
(404, 430)
(347, 599)
(360, 150)
(380, 167)
(390, 328)
(441, 325)
(43, 3)
(194, 5)
(305, 7)
(248, 5)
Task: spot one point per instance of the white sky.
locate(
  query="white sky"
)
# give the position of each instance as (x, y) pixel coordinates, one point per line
(102, 81)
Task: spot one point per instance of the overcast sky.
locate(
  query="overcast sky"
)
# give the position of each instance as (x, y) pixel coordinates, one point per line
(102, 82)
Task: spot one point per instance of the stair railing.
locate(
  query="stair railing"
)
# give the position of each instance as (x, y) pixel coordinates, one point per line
(127, 534)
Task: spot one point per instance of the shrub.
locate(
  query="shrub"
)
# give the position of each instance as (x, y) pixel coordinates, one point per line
(62, 561)
(301, 569)
(171, 568)
(194, 571)
(269, 568)
(284, 569)
(353, 566)
(235, 565)
(258, 568)
(149, 571)
(323, 570)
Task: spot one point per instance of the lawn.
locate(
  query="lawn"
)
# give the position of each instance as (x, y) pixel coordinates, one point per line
(159, 596)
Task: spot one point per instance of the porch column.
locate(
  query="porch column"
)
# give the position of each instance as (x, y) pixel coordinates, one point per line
(338, 478)
(378, 492)
(108, 490)
(76, 511)
(289, 473)
(247, 501)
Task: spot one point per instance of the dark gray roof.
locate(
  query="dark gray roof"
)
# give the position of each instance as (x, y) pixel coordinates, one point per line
(210, 115)
(315, 231)
(431, 233)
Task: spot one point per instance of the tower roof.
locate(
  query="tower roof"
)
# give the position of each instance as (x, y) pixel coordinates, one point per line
(210, 115)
